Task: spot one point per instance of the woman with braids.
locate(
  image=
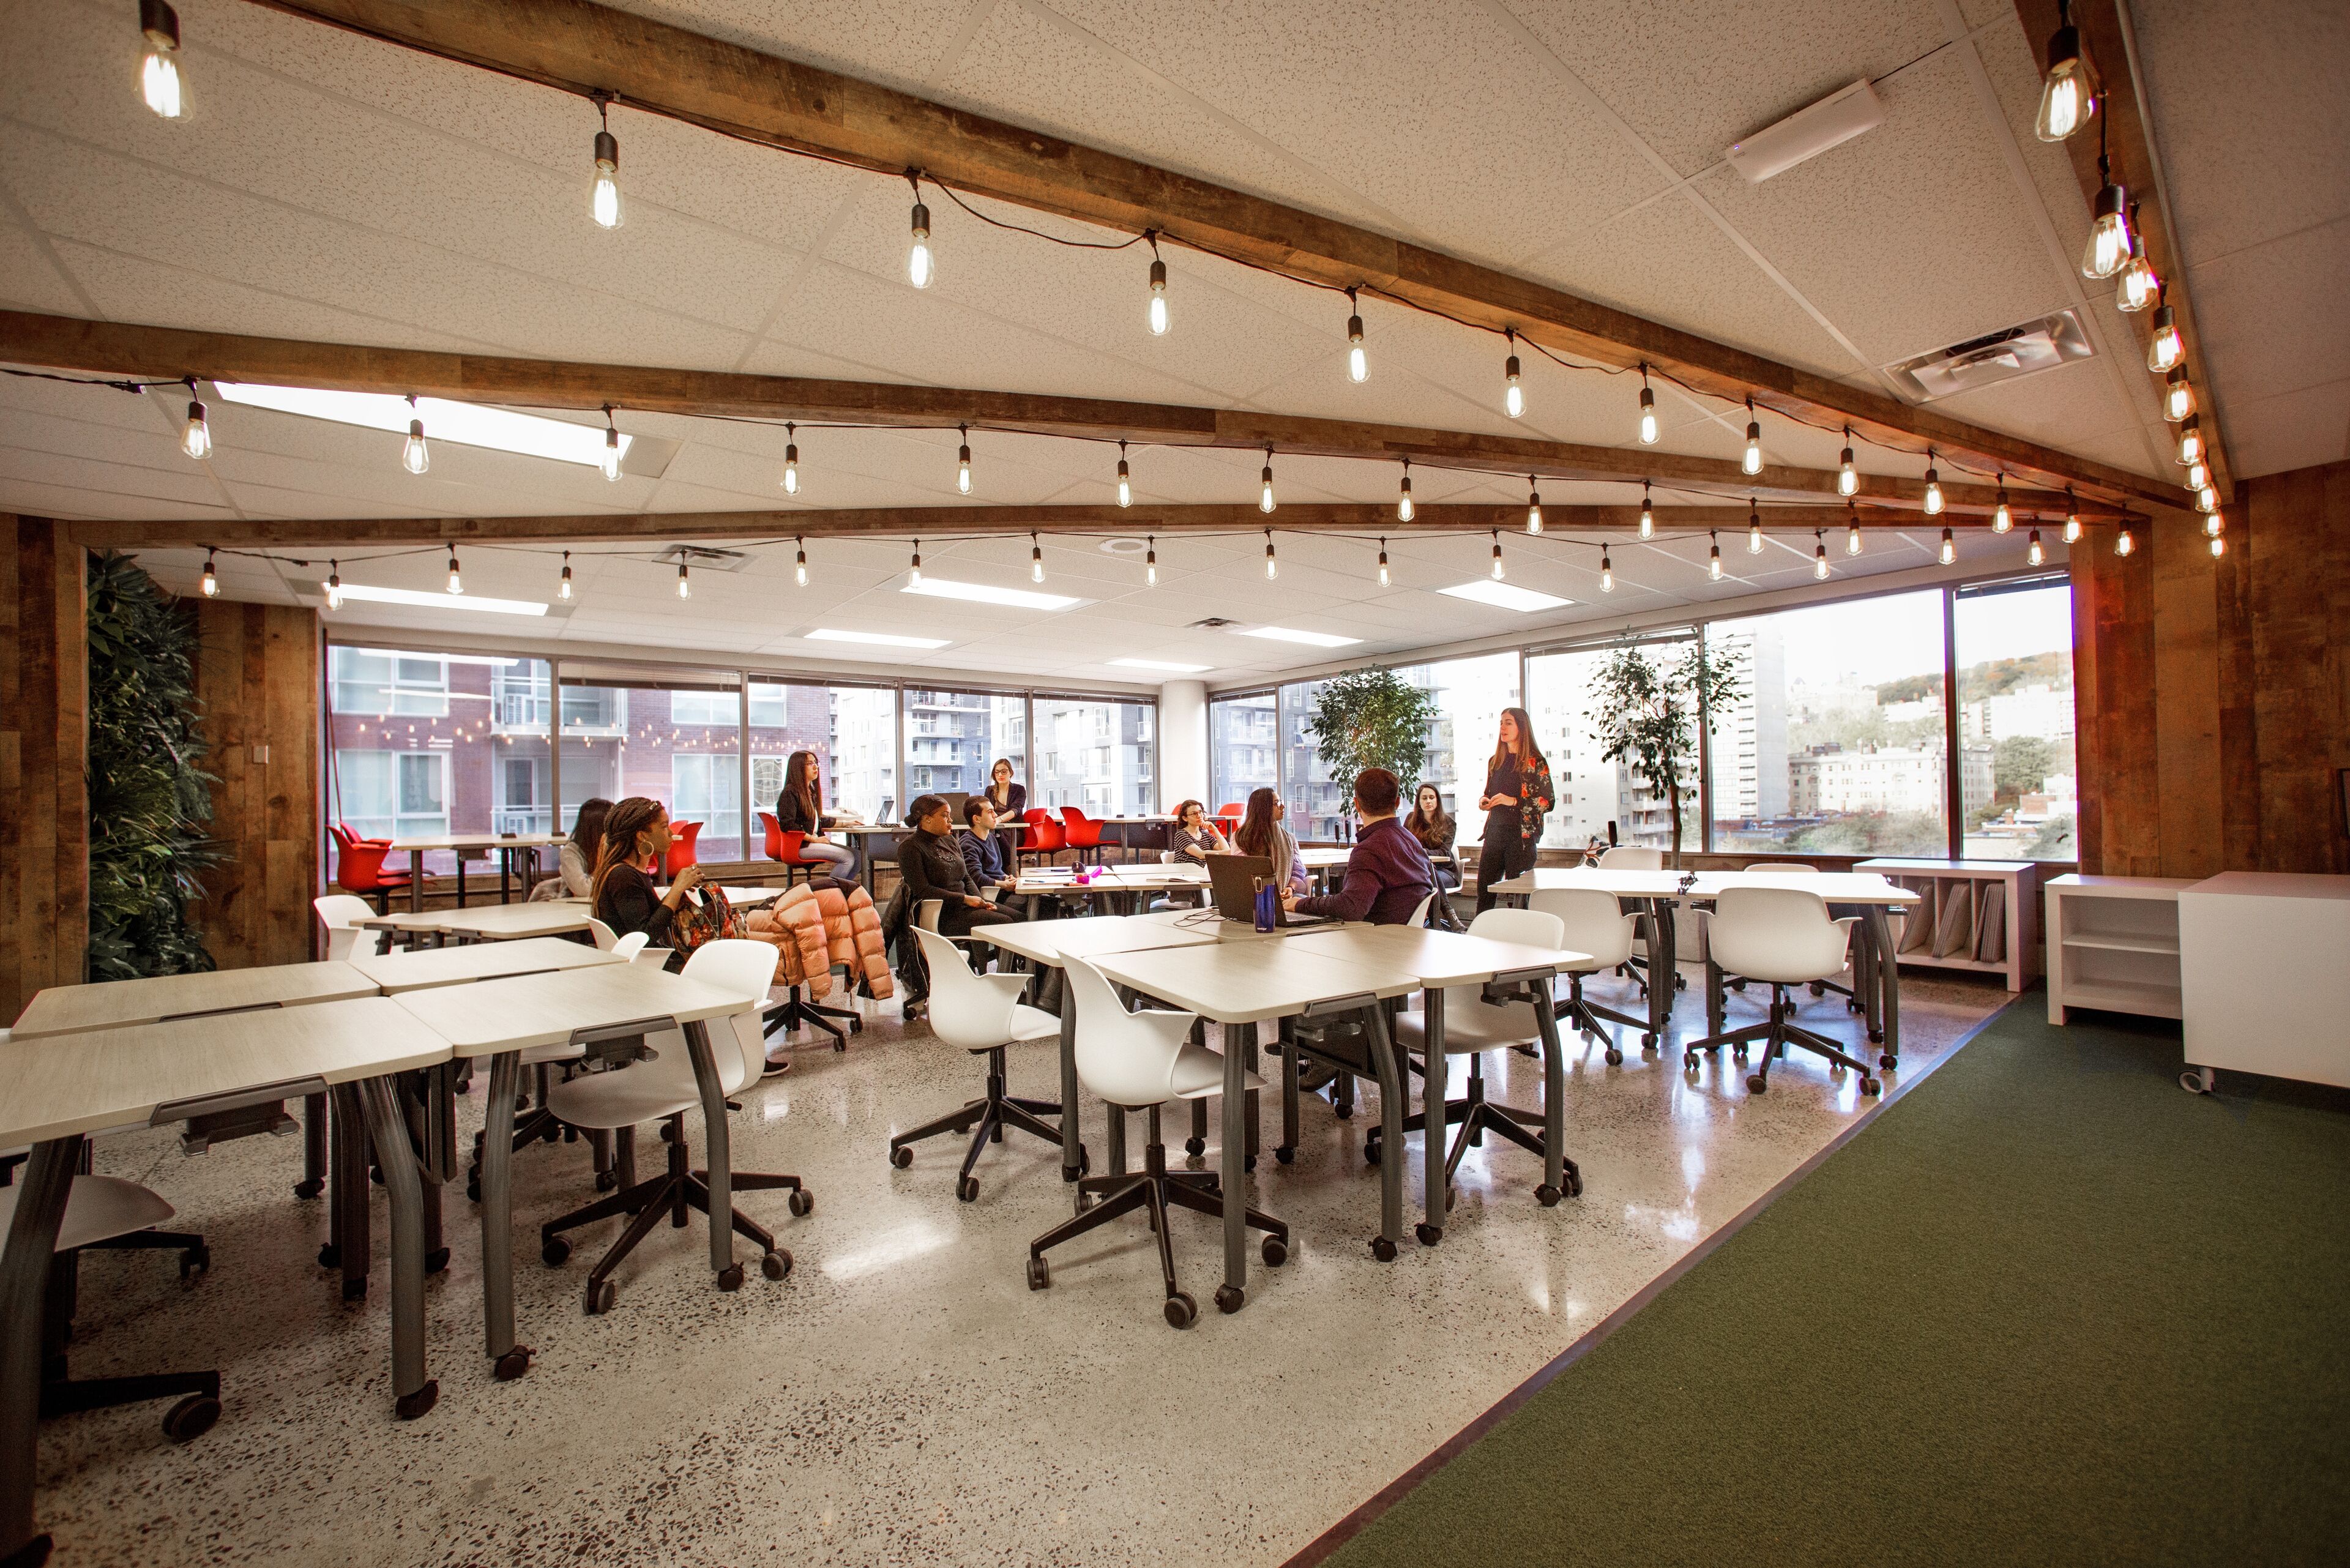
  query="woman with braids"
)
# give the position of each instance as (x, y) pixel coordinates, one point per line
(636, 834)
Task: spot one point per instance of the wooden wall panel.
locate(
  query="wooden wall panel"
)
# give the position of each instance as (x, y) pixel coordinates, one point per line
(2301, 638)
(2187, 711)
(258, 675)
(44, 759)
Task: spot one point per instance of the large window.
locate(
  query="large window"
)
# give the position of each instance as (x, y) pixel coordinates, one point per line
(852, 729)
(1470, 696)
(677, 743)
(1316, 810)
(1243, 748)
(1838, 742)
(1096, 756)
(2019, 792)
(953, 738)
(1595, 793)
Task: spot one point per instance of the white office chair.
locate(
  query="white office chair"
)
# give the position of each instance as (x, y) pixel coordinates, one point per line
(663, 1089)
(1140, 1060)
(981, 1014)
(340, 913)
(1631, 858)
(1592, 922)
(1471, 1027)
(1783, 936)
(1819, 987)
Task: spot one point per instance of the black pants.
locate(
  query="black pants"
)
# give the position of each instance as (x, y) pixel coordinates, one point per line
(956, 917)
(1502, 857)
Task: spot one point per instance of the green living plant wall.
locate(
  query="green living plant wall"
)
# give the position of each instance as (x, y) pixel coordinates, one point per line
(149, 800)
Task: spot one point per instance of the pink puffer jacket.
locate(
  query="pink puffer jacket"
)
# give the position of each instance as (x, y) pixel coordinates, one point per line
(814, 929)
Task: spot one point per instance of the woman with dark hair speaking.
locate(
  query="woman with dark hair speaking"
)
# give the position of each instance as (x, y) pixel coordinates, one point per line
(1518, 795)
(800, 809)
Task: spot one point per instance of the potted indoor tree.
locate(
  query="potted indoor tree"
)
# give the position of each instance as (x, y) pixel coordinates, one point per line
(1646, 715)
(1371, 719)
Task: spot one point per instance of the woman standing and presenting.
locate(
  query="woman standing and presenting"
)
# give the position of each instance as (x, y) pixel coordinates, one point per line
(1261, 834)
(1518, 795)
(800, 809)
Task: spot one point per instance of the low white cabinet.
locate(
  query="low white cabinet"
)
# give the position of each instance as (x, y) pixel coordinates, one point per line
(2113, 944)
(2265, 971)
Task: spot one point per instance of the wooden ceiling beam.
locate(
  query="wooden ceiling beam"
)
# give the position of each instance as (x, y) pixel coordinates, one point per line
(576, 45)
(59, 342)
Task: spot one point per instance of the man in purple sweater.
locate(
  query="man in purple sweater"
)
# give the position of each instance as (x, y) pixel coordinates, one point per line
(1388, 874)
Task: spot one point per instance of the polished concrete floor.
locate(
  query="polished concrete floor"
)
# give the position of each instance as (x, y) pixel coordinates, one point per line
(903, 1396)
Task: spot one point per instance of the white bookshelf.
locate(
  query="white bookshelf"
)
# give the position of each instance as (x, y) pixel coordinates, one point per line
(2113, 944)
(1990, 908)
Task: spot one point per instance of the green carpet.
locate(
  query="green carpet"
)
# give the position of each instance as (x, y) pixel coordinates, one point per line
(2048, 1308)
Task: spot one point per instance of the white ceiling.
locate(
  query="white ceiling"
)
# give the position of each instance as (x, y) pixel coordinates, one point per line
(330, 188)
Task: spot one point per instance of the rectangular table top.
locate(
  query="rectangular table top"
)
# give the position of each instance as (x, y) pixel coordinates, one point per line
(476, 841)
(73, 1009)
(428, 967)
(1836, 887)
(508, 922)
(1051, 942)
(1435, 959)
(110, 1077)
(530, 1011)
(1248, 983)
(1901, 865)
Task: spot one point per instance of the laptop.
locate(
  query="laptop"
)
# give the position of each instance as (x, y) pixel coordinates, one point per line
(1232, 880)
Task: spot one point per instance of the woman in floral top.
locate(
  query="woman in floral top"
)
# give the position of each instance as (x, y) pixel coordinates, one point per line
(1518, 795)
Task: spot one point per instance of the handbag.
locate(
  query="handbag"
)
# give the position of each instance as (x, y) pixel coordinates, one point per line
(703, 916)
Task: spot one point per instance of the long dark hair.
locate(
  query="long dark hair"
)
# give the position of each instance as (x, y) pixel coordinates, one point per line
(803, 785)
(587, 828)
(1256, 834)
(1528, 751)
(1003, 803)
(621, 825)
(1421, 826)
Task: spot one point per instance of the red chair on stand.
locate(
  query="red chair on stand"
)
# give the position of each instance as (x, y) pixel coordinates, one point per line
(681, 835)
(358, 867)
(1043, 836)
(783, 848)
(1082, 833)
(1230, 817)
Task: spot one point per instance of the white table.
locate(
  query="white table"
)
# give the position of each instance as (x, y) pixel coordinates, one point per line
(61, 1091)
(425, 968)
(417, 848)
(511, 922)
(105, 1005)
(1241, 985)
(549, 1015)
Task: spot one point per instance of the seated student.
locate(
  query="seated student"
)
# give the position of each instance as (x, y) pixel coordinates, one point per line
(932, 865)
(1009, 799)
(1262, 833)
(1193, 838)
(1434, 827)
(800, 809)
(576, 863)
(636, 834)
(1388, 873)
(983, 852)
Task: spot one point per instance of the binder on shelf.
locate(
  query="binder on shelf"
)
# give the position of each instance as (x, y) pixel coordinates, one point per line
(1991, 927)
(1954, 927)
(1918, 934)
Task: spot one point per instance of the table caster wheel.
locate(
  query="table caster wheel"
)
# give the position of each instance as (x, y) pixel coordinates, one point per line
(1871, 1086)
(355, 1290)
(1371, 1151)
(802, 1202)
(1739, 986)
(1248, 1163)
(1040, 1273)
(193, 1417)
(1285, 1154)
(511, 1364)
(2191, 1081)
(555, 1251)
(1181, 1310)
(1343, 1112)
(1548, 1196)
(1888, 1063)
(776, 1264)
(1681, 982)
(436, 1259)
(1757, 1082)
(1614, 1057)
(902, 1156)
(329, 1255)
(1574, 1179)
(967, 1188)
(1876, 1037)
(1230, 1298)
(194, 1261)
(730, 1278)
(1195, 1145)
(1276, 1251)
(1817, 989)
(601, 1294)
(408, 1406)
(1429, 1235)
(1383, 1249)
(1688, 1061)
(309, 1189)
(1647, 1042)
(606, 1181)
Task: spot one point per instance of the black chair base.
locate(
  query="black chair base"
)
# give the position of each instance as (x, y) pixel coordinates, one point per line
(1479, 1116)
(991, 1115)
(1156, 1189)
(1777, 1033)
(796, 1014)
(1590, 1018)
(198, 1392)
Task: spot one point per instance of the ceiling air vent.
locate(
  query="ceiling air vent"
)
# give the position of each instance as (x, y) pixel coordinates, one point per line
(701, 557)
(1213, 623)
(1998, 356)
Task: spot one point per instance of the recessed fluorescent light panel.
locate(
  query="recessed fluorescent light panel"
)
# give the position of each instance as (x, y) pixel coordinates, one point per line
(467, 424)
(1505, 595)
(1311, 638)
(880, 638)
(987, 594)
(1159, 664)
(423, 600)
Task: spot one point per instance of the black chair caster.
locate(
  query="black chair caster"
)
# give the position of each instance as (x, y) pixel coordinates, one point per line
(1429, 1235)
(606, 1181)
(1871, 1088)
(1757, 1082)
(902, 1156)
(1181, 1310)
(191, 1418)
(1371, 1149)
(776, 1264)
(1285, 1154)
(1195, 1145)
(1888, 1062)
(1345, 1113)
(601, 1294)
(555, 1251)
(1688, 1061)
(1230, 1298)
(194, 1261)
(330, 1256)
(511, 1364)
(1276, 1251)
(1040, 1272)
(1548, 1196)
(408, 1406)
(730, 1278)
(802, 1202)
(967, 1188)
(1248, 1163)
(1383, 1249)
(309, 1189)
(1614, 1057)
(436, 1259)
(1647, 1042)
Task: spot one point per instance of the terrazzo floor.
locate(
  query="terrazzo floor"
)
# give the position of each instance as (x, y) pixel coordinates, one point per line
(903, 1396)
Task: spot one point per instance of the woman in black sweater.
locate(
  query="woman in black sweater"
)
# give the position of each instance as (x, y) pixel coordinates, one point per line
(931, 862)
(623, 896)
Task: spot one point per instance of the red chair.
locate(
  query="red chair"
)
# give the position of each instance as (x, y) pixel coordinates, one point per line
(1083, 833)
(681, 835)
(358, 867)
(1044, 836)
(1230, 817)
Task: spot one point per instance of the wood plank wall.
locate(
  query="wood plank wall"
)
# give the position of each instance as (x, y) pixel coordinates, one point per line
(2214, 697)
(44, 758)
(257, 674)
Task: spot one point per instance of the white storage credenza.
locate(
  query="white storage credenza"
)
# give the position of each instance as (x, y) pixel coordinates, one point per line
(1980, 917)
(2265, 976)
(2113, 944)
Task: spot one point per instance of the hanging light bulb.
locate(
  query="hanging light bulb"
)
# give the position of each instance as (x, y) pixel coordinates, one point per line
(1272, 565)
(2178, 395)
(1534, 506)
(1404, 508)
(1648, 513)
(210, 584)
(604, 191)
(1125, 480)
(2207, 499)
(2167, 350)
(1383, 563)
(1949, 547)
(1264, 492)
(1358, 365)
(1819, 555)
(2135, 287)
(456, 583)
(918, 259)
(2198, 475)
(334, 586)
(1151, 563)
(159, 70)
(2122, 542)
(2034, 554)
(196, 440)
(2072, 517)
(1750, 461)
(1713, 557)
(914, 578)
(609, 462)
(2219, 546)
(2214, 525)
(563, 585)
(799, 567)
(1035, 560)
(1606, 572)
(1847, 476)
(1497, 554)
(2002, 517)
(791, 459)
(1648, 431)
(414, 456)
(2190, 439)
(963, 460)
(685, 588)
(1852, 530)
(2065, 100)
(1158, 288)
(1514, 397)
(2109, 234)
(1933, 487)
(1753, 528)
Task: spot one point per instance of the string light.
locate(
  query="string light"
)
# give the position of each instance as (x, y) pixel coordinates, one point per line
(2001, 518)
(2214, 525)
(1753, 528)
(1264, 492)
(2122, 542)
(2168, 349)
(1514, 396)
(1035, 560)
(2065, 100)
(2207, 499)
(685, 588)
(1272, 565)
(2135, 289)
(2072, 517)
(1157, 287)
(563, 586)
(2198, 475)
(2178, 395)
(1847, 476)
(1648, 431)
(914, 578)
(1819, 555)
(2034, 554)
(1151, 563)
(609, 462)
(196, 440)
(210, 584)
(1359, 364)
(1933, 487)
(159, 70)
(2109, 233)
(1752, 461)
(1497, 555)
(334, 586)
(1125, 480)
(918, 259)
(1950, 548)
(456, 583)
(791, 459)
(1404, 508)
(415, 457)
(1648, 513)
(1606, 572)
(963, 460)
(2190, 439)
(1852, 529)
(799, 567)
(604, 190)
(2219, 546)
(1534, 506)
(1383, 563)
(1713, 557)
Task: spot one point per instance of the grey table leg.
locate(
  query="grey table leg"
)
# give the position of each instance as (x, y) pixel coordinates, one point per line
(719, 1154)
(1554, 1098)
(1431, 1100)
(24, 1289)
(1664, 963)
(354, 1248)
(314, 1147)
(1071, 1133)
(1239, 1043)
(1394, 1089)
(497, 1210)
(413, 1393)
(1880, 932)
(416, 881)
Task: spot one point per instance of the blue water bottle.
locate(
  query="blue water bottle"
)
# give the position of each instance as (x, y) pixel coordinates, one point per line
(1264, 904)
